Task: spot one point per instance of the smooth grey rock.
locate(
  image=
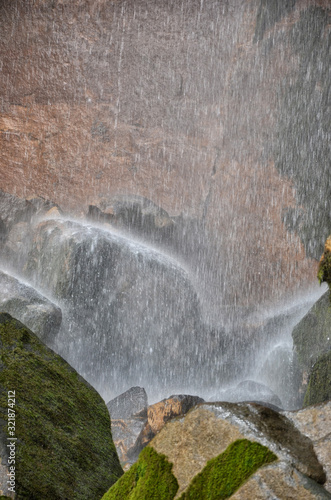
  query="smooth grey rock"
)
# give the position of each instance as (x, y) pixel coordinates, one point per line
(249, 390)
(129, 403)
(131, 314)
(23, 302)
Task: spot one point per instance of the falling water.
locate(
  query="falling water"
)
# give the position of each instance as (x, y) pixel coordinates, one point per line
(217, 113)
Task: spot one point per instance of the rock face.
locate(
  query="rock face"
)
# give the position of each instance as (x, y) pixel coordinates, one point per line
(128, 413)
(315, 422)
(134, 424)
(209, 429)
(128, 404)
(312, 341)
(64, 447)
(135, 215)
(31, 308)
(148, 99)
(158, 415)
(130, 314)
(242, 451)
(249, 390)
(319, 383)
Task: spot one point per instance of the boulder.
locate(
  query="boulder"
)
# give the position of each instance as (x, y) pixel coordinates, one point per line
(128, 404)
(319, 382)
(207, 430)
(134, 214)
(30, 307)
(224, 474)
(128, 413)
(174, 406)
(282, 481)
(130, 313)
(15, 246)
(222, 450)
(64, 447)
(315, 423)
(158, 415)
(311, 339)
(14, 209)
(249, 390)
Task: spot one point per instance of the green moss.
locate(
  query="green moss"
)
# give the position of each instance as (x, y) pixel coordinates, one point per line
(223, 475)
(64, 445)
(149, 478)
(319, 384)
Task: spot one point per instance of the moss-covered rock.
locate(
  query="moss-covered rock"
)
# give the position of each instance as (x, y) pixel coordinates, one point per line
(224, 474)
(319, 384)
(64, 447)
(150, 477)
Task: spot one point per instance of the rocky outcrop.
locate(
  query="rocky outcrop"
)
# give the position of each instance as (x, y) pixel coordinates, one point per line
(16, 216)
(64, 447)
(132, 402)
(149, 101)
(135, 215)
(158, 415)
(319, 382)
(134, 424)
(130, 314)
(315, 422)
(209, 429)
(128, 413)
(312, 339)
(249, 390)
(23, 302)
(222, 450)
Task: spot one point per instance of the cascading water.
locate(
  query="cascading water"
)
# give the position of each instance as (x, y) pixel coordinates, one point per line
(218, 112)
(131, 315)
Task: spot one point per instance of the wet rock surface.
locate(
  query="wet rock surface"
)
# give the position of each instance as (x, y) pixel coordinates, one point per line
(319, 382)
(249, 390)
(148, 101)
(130, 313)
(315, 422)
(134, 423)
(207, 430)
(129, 404)
(312, 344)
(31, 308)
(64, 447)
(158, 415)
(128, 413)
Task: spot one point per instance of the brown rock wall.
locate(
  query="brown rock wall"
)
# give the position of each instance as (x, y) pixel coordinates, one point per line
(171, 101)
